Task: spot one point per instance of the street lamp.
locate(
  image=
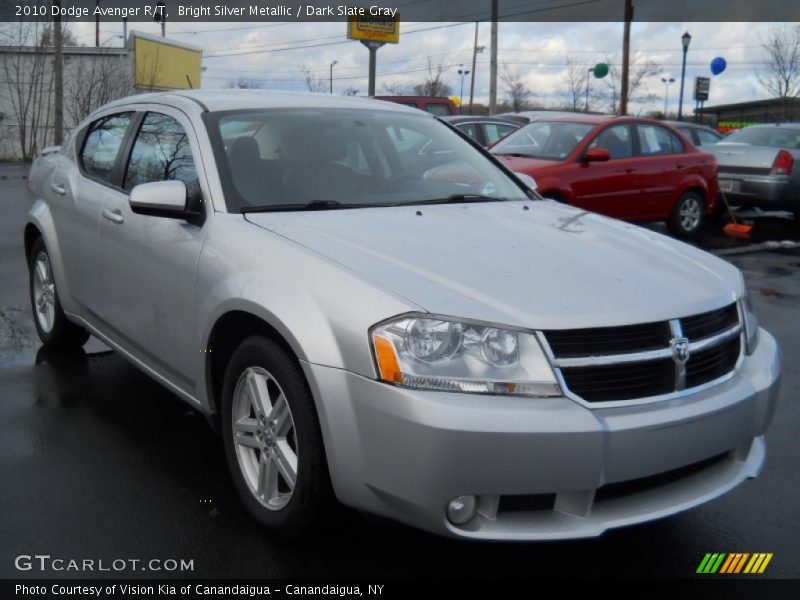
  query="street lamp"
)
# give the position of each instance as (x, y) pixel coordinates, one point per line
(667, 83)
(336, 62)
(463, 72)
(685, 39)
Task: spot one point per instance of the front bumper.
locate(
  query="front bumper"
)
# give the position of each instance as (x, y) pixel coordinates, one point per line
(541, 468)
(770, 192)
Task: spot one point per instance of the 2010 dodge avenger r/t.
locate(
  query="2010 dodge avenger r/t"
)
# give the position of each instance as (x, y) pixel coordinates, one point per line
(458, 355)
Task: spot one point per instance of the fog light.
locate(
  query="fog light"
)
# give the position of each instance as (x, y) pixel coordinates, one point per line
(461, 510)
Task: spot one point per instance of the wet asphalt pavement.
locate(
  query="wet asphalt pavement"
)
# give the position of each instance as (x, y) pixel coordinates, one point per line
(98, 461)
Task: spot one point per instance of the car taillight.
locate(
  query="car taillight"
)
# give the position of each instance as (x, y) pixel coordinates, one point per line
(783, 163)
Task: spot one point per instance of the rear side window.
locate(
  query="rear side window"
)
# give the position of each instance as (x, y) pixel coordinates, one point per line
(162, 152)
(707, 138)
(101, 145)
(655, 140)
(470, 129)
(495, 131)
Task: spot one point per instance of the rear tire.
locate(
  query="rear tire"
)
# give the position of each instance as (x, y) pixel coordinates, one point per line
(687, 216)
(273, 442)
(54, 329)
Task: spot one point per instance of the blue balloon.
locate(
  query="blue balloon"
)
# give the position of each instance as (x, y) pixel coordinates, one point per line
(718, 65)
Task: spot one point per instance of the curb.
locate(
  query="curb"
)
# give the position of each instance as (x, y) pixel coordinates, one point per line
(765, 246)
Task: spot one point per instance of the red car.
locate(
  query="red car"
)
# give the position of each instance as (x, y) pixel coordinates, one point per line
(624, 167)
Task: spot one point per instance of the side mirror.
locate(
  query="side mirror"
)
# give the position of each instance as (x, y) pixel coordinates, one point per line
(596, 155)
(529, 181)
(159, 199)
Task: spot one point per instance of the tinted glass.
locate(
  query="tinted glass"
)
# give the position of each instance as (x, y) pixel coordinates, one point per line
(615, 139)
(655, 140)
(102, 144)
(470, 129)
(296, 156)
(542, 139)
(440, 110)
(495, 131)
(777, 137)
(162, 152)
(706, 138)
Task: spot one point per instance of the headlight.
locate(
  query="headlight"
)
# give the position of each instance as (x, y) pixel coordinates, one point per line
(750, 321)
(457, 356)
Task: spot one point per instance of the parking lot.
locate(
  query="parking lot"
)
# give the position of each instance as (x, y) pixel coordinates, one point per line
(98, 461)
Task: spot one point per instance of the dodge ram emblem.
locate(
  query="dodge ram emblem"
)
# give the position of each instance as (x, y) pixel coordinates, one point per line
(680, 350)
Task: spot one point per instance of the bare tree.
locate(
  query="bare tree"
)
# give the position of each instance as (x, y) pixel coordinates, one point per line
(314, 81)
(640, 69)
(244, 83)
(93, 82)
(433, 85)
(350, 91)
(780, 77)
(518, 92)
(397, 89)
(28, 79)
(573, 84)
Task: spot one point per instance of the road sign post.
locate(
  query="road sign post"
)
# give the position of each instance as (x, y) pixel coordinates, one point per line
(702, 87)
(373, 32)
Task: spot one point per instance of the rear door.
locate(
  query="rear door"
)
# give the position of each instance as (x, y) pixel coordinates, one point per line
(612, 187)
(79, 192)
(662, 165)
(149, 263)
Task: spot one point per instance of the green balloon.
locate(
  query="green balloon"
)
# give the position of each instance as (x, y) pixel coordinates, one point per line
(600, 70)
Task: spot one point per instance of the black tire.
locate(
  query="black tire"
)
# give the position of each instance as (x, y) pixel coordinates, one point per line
(688, 215)
(62, 334)
(311, 497)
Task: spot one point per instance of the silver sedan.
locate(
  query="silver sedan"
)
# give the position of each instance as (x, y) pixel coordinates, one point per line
(437, 346)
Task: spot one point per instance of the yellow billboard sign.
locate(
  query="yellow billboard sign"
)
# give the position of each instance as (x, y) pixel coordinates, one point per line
(162, 65)
(374, 28)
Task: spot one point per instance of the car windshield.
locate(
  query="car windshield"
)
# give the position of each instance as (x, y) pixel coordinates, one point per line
(284, 159)
(776, 137)
(542, 139)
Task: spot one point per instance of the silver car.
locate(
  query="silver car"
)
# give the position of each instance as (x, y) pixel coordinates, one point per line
(452, 352)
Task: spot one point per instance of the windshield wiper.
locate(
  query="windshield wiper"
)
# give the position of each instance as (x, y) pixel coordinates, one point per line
(457, 198)
(312, 205)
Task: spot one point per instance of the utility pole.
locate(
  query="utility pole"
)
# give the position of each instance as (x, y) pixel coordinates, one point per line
(474, 58)
(333, 64)
(58, 68)
(493, 62)
(626, 53)
(96, 23)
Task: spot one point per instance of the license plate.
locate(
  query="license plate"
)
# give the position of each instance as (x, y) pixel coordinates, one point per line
(728, 185)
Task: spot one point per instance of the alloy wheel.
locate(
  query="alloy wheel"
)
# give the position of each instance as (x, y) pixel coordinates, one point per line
(44, 292)
(690, 214)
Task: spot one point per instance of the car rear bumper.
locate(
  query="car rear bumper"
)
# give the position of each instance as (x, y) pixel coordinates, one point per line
(540, 468)
(765, 191)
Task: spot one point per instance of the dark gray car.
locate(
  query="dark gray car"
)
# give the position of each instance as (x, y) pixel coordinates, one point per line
(758, 166)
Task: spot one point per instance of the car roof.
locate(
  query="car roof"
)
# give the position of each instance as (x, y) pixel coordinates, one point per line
(690, 125)
(476, 118)
(220, 100)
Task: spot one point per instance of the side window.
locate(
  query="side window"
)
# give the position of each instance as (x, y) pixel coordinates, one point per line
(495, 131)
(470, 129)
(617, 140)
(162, 152)
(440, 110)
(707, 138)
(655, 140)
(101, 145)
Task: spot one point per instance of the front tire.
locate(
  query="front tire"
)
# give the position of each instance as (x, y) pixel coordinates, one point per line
(54, 329)
(687, 216)
(272, 438)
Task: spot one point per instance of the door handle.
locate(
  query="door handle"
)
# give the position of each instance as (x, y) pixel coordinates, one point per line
(58, 189)
(681, 165)
(114, 216)
(631, 170)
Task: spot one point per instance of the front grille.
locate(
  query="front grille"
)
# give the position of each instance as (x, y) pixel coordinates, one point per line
(621, 489)
(711, 364)
(622, 381)
(637, 361)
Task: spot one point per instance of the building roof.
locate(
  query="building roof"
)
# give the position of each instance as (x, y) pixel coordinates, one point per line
(752, 104)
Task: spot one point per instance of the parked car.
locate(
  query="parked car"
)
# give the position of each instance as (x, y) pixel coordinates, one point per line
(628, 168)
(759, 166)
(461, 356)
(524, 117)
(484, 130)
(439, 106)
(699, 135)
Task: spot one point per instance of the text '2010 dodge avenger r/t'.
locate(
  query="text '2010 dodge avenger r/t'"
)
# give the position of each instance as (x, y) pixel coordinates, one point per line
(458, 355)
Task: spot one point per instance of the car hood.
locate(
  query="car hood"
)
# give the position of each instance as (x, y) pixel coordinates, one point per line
(550, 266)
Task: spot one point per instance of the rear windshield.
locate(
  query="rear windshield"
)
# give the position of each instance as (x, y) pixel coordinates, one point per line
(776, 137)
(542, 139)
(298, 156)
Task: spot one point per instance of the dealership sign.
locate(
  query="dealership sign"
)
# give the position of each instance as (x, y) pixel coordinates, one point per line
(702, 85)
(374, 28)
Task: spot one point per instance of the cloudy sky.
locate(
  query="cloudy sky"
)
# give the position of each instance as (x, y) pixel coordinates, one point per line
(272, 52)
